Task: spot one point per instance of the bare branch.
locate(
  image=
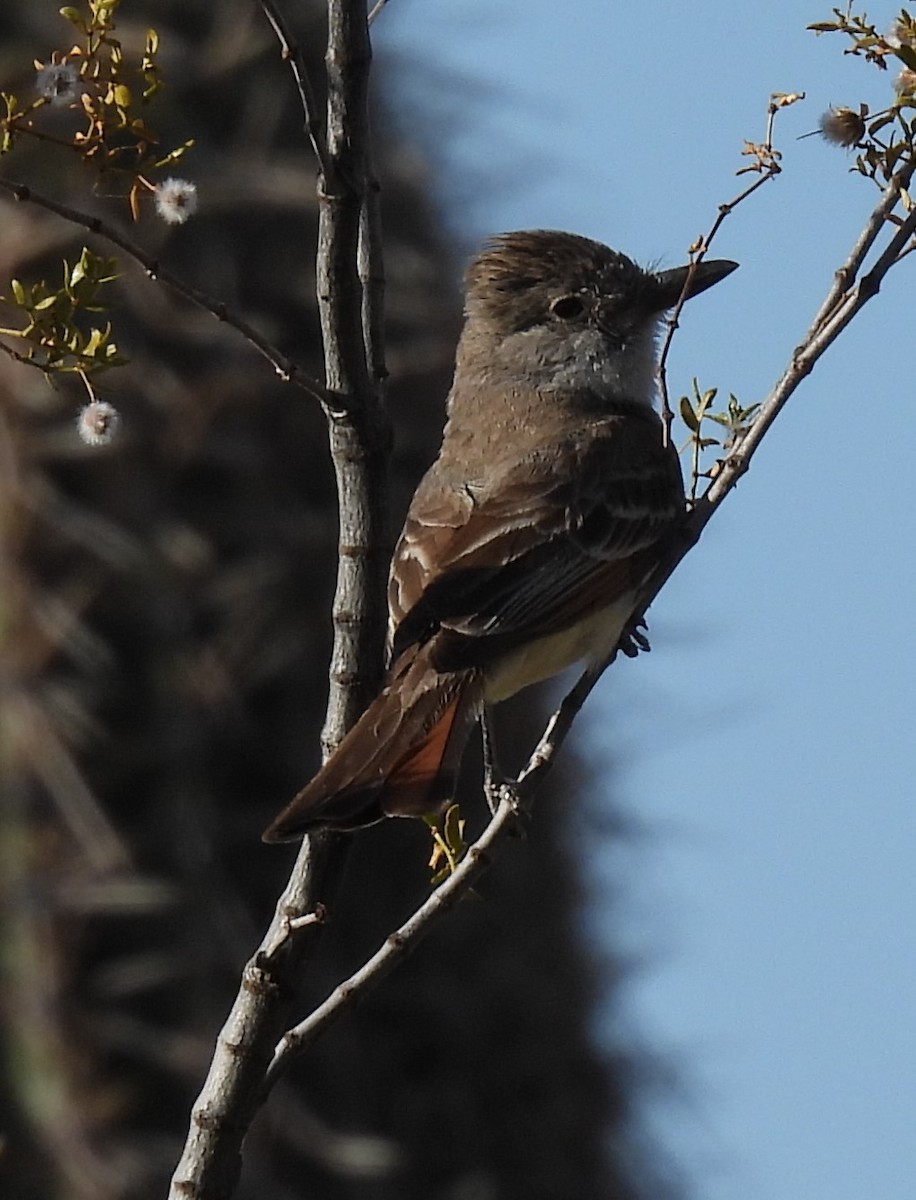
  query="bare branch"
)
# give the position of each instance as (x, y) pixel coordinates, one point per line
(767, 164)
(288, 371)
(515, 796)
(292, 53)
(376, 9)
(866, 239)
(20, 358)
(818, 338)
(359, 439)
(372, 278)
(233, 1090)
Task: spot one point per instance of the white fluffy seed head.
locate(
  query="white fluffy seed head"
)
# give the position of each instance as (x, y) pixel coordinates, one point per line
(97, 423)
(176, 200)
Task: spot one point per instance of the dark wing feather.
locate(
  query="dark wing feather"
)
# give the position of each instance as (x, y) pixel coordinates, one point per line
(546, 541)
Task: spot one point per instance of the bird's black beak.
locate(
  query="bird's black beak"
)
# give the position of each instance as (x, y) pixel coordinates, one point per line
(695, 279)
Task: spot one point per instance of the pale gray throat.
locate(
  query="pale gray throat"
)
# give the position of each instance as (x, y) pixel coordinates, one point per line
(584, 359)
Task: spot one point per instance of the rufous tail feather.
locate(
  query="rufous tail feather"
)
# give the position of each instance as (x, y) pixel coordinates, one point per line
(400, 759)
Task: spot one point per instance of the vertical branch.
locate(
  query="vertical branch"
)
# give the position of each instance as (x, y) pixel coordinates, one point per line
(349, 274)
(359, 436)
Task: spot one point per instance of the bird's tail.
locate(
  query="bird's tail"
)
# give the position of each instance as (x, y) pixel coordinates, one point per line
(400, 759)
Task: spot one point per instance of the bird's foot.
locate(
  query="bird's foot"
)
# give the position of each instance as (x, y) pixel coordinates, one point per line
(634, 638)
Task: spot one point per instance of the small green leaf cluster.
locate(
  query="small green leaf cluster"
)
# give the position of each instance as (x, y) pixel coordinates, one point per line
(95, 81)
(51, 336)
(868, 42)
(449, 844)
(735, 420)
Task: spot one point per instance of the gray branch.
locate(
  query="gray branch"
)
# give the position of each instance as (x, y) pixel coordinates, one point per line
(359, 439)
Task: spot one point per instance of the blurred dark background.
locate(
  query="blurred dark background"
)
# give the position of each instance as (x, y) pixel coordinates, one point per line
(164, 635)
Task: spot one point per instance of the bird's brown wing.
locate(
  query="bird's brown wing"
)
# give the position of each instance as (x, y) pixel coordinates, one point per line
(547, 541)
(479, 570)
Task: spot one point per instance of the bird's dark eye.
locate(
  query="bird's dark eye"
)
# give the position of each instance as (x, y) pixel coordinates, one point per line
(568, 308)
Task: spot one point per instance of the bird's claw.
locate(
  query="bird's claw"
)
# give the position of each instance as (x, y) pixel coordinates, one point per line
(634, 638)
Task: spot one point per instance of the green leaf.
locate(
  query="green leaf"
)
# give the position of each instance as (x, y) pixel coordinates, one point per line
(74, 16)
(46, 303)
(688, 416)
(18, 291)
(175, 155)
(705, 400)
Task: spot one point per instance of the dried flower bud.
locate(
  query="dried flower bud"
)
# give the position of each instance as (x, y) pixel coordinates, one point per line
(905, 83)
(176, 200)
(97, 423)
(59, 83)
(842, 127)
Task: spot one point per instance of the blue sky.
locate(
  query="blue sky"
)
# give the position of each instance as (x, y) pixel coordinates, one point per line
(766, 746)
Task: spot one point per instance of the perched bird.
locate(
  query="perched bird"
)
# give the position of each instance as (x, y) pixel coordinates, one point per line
(530, 536)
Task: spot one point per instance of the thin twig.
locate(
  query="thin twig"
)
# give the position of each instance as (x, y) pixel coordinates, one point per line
(292, 53)
(804, 359)
(288, 371)
(21, 358)
(515, 795)
(396, 946)
(376, 9)
(371, 267)
(769, 170)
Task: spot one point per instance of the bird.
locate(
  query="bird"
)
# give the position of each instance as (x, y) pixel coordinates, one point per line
(529, 539)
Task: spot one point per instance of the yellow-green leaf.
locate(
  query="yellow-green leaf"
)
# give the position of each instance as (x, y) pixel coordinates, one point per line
(74, 16)
(688, 416)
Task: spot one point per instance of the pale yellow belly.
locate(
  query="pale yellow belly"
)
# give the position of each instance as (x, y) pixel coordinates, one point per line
(590, 641)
